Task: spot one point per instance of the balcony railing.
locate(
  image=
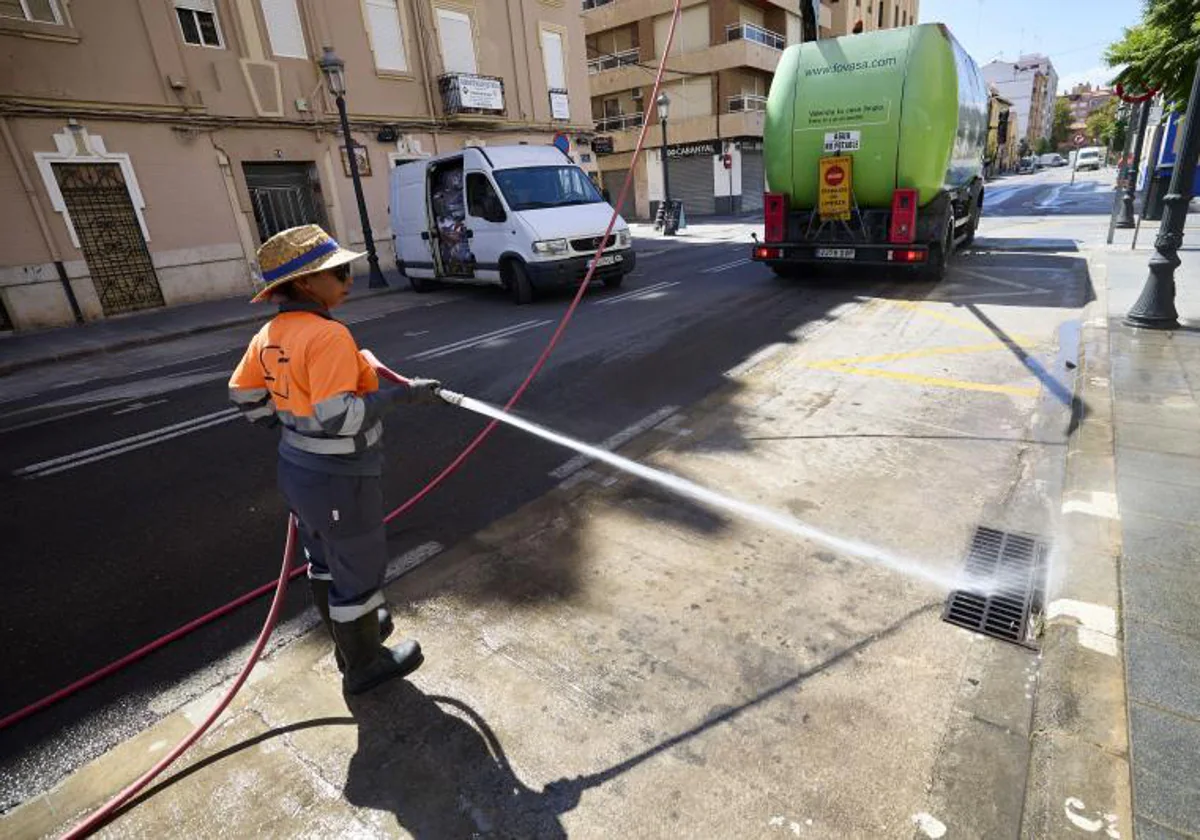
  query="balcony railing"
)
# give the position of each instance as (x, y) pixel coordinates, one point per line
(595, 4)
(612, 61)
(467, 93)
(750, 32)
(621, 122)
(747, 102)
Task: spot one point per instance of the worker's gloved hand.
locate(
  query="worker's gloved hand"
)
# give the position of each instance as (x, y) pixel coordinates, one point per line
(423, 391)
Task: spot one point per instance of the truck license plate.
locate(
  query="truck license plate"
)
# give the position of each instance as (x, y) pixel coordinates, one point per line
(835, 253)
(606, 260)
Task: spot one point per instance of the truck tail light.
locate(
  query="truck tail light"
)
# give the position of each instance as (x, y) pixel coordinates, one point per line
(904, 217)
(774, 217)
(762, 252)
(907, 256)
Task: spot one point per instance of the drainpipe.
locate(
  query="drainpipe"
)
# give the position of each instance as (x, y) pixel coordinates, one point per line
(10, 143)
(426, 70)
(512, 38)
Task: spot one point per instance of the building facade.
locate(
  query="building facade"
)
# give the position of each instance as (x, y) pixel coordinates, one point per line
(1030, 84)
(149, 146)
(720, 68)
(1083, 101)
(1003, 144)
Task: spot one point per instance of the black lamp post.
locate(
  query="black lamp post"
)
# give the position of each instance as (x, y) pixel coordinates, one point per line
(1155, 309)
(1140, 116)
(664, 110)
(335, 79)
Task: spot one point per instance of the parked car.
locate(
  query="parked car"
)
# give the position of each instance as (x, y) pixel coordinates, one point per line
(520, 217)
(1089, 158)
(1052, 159)
(1026, 166)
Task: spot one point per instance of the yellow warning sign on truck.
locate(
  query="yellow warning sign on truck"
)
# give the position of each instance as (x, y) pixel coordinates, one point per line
(835, 180)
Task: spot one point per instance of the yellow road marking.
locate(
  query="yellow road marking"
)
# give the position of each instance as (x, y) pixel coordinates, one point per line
(965, 323)
(953, 350)
(938, 381)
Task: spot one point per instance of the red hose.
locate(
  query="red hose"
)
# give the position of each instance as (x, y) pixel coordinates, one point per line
(99, 817)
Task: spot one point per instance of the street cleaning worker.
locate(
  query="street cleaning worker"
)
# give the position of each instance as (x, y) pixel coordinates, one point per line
(304, 373)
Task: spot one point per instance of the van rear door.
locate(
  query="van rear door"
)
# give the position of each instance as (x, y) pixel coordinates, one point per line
(411, 228)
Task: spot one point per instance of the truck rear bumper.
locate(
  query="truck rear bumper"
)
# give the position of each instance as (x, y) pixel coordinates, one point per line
(840, 253)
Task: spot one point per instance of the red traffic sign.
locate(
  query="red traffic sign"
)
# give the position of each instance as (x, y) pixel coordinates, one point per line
(1080, 139)
(834, 175)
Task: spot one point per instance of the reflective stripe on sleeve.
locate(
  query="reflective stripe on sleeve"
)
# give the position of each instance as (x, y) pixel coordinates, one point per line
(248, 396)
(342, 414)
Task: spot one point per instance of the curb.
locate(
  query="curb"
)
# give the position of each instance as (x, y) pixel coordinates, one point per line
(156, 338)
(1079, 772)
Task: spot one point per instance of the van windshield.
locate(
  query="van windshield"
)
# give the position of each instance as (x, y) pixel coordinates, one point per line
(537, 187)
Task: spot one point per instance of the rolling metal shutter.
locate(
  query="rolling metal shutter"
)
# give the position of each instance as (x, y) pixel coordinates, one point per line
(614, 179)
(692, 183)
(753, 183)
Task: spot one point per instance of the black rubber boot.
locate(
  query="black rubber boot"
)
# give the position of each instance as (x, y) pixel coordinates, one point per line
(320, 593)
(368, 663)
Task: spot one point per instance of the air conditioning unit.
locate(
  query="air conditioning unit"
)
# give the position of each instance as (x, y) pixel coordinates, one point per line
(636, 93)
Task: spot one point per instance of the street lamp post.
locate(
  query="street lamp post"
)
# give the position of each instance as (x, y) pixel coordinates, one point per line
(1155, 309)
(664, 110)
(335, 79)
(1141, 116)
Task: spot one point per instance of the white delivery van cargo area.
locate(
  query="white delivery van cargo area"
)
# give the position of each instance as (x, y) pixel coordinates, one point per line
(521, 217)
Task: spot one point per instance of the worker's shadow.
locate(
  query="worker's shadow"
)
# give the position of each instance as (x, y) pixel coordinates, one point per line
(435, 764)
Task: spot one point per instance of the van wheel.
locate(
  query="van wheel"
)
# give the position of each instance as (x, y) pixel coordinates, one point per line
(420, 285)
(940, 252)
(516, 279)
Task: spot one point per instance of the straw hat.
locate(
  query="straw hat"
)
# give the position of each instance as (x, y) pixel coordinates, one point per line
(295, 252)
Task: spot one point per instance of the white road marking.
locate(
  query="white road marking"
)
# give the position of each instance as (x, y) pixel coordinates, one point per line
(633, 293)
(639, 294)
(619, 439)
(30, 424)
(726, 266)
(930, 825)
(1103, 505)
(1107, 822)
(1097, 624)
(409, 560)
(129, 444)
(475, 341)
(137, 406)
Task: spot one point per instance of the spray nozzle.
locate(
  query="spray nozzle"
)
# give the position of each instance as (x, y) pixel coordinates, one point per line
(449, 396)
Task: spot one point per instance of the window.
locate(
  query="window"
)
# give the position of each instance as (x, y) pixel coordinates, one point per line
(482, 201)
(198, 22)
(539, 187)
(552, 59)
(284, 28)
(39, 11)
(879, 20)
(458, 41)
(387, 36)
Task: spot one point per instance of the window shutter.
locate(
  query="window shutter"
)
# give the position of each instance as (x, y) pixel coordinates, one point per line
(552, 58)
(387, 38)
(458, 41)
(284, 29)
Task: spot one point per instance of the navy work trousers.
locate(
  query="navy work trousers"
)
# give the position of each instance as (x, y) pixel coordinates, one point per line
(342, 535)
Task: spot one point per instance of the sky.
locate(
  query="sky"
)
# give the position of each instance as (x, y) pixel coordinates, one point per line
(1073, 33)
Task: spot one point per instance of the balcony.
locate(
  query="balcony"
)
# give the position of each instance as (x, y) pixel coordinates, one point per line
(467, 95)
(612, 61)
(746, 102)
(750, 32)
(621, 122)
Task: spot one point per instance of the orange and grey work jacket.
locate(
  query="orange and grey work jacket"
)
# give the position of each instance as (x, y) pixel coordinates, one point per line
(303, 371)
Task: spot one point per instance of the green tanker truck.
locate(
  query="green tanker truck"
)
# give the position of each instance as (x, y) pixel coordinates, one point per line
(873, 149)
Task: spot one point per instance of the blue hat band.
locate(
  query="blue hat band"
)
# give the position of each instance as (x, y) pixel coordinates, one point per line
(326, 247)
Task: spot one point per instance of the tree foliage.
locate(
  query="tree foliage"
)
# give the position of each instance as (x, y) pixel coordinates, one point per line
(1060, 133)
(1104, 125)
(1161, 51)
(1044, 145)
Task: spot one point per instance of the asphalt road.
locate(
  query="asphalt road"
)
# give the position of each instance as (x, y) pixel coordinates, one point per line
(135, 501)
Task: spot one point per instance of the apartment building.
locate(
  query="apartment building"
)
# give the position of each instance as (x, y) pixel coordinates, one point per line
(1083, 101)
(1030, 84)
(149, 146)
(720, 67)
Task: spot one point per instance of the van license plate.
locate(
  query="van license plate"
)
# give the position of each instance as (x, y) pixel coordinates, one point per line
(835, 253)
(608, 260)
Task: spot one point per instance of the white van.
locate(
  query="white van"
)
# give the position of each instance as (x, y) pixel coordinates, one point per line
(521, 217)
(1089, 158)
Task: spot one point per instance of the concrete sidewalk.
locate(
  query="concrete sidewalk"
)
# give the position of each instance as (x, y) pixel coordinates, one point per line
(24, 350)
(613, 661)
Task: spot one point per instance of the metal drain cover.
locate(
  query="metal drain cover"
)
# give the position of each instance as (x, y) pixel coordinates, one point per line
(1001, 587)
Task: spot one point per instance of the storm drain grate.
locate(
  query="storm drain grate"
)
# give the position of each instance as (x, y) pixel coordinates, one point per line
(1001, 594)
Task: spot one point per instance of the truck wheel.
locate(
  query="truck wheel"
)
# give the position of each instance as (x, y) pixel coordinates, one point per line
(940, 252)
(973, 225)
(516, 279)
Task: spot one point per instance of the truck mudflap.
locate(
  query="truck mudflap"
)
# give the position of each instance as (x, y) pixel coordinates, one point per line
(783, 254)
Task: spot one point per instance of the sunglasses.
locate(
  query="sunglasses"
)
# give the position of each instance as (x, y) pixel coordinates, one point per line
(342, 273)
